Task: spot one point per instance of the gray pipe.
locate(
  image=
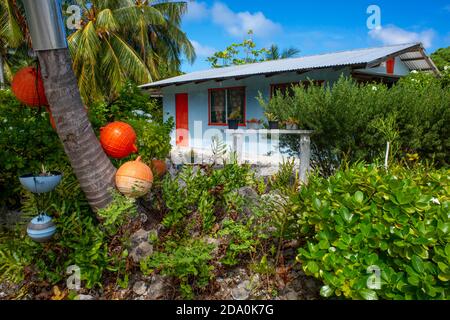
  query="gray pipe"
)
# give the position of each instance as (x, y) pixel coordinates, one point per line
(46, 25)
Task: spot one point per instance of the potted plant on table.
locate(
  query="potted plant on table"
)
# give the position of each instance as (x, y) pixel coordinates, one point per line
(273, 120)
(233, 120)
(254, 124)
(291, 124)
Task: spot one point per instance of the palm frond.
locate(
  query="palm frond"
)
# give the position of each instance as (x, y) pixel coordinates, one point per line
(130, 60)
(9, 27)
(106, 21)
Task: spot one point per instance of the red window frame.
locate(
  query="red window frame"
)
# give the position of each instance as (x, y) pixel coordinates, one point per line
(287, 84)
(224, 89)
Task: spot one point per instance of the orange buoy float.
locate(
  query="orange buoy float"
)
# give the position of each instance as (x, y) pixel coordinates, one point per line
(118, 140)
(134, 178)
(28, 87)
(159, 167)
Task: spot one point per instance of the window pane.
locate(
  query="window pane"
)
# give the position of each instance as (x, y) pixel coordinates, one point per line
(284, 89)
(218, 113)
(236, 102)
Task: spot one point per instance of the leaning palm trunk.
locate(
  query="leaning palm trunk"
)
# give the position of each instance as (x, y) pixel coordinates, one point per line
(92, 167)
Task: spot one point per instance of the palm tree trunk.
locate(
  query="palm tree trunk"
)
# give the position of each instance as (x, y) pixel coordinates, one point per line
(92, 167)
(2, 73)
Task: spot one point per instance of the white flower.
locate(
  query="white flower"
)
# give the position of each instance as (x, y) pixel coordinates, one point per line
(414, 71)
(374, 88)
(447, 68)
(435, 201)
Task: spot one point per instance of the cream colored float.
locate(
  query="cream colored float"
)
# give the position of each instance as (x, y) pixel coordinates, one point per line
(134, 179)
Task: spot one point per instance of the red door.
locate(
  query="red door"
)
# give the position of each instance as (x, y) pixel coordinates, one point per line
(182, 119)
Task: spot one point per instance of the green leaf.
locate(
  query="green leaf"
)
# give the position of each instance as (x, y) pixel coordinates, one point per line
(444, 277)
(326, 291)
(368, 294)
(444, 227)
(346, 214)
(312, 267)
(359, 197)
(443, 266)
(417, 264)
(317, 204)
(413, 280)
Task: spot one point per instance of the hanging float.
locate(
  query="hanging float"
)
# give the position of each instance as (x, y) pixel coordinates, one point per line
(28, 87)
(118, 140)
(159, 167)
(41, 228)
(134, 179)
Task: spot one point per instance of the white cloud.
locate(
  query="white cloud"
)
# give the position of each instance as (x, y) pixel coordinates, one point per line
(238, 23)
(394, 35)
(196, 11)
(202, 50)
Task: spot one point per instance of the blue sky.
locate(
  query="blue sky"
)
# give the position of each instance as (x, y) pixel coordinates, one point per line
(314, 26)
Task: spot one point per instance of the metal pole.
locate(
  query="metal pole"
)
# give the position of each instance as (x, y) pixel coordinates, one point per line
(46, 25)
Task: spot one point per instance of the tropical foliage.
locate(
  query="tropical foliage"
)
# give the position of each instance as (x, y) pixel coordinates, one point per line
(118, 40)
(441, 58)
(138, 40)
(13, 47)
(354, 121)
(22, 127)
(273, 53)
(375, 234)
(248, 52)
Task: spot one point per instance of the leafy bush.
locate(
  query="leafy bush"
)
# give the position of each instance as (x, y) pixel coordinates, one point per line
(79, 241)
(202, 190)
(441, 58)
(343, 118)
(188, 262)
(27, 141)
(153, 139)
(363, 216)
(117, 213)
(212, 203)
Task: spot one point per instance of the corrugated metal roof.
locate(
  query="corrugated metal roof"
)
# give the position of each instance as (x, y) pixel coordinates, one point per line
(327, 60)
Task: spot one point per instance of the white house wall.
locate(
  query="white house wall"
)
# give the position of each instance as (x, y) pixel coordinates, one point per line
(198, 99)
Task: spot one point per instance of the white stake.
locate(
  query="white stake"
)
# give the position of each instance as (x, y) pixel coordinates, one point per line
(386, 159)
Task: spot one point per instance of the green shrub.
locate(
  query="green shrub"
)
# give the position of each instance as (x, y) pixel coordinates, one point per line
(188, 262)
(203, 191)
(363, 216)
(342, 117)
(27, 141)
(153, 139)
(120, 211)
(79, 241)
